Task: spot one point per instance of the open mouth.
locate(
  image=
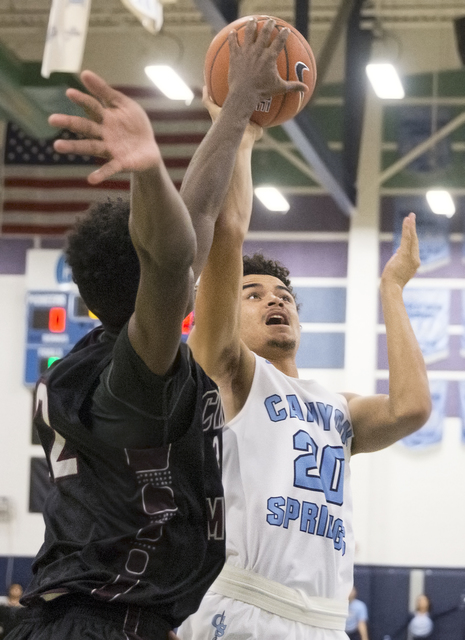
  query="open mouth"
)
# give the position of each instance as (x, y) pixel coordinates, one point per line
(276, 319)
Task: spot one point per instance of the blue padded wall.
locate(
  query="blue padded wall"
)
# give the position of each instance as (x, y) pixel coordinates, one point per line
(446, 590)
(14, 569)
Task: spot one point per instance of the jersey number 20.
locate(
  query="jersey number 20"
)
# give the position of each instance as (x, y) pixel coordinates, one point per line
(327, 476)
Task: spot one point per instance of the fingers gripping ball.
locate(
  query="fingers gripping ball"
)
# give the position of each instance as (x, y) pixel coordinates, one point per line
(295, 62)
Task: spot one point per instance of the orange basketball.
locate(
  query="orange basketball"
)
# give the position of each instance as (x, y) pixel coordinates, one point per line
(295, 62)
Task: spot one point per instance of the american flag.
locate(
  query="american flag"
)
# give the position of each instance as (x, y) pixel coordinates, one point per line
(44, 191)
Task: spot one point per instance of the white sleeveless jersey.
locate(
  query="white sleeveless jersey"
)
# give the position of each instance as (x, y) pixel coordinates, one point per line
(286, 478)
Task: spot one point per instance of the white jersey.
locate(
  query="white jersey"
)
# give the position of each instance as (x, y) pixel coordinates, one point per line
(286, 478)
(288, 507)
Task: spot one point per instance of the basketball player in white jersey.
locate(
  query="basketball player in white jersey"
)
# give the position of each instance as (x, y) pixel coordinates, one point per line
(288, 442)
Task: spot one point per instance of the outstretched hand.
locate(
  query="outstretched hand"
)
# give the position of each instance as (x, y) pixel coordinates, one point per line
(405, 262)
(116, 128)
(253, 65)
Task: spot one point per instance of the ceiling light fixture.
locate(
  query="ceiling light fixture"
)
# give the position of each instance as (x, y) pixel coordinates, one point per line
(169, 83)
(440, 202)
(272, 199)
(381, 71)
(385, 80)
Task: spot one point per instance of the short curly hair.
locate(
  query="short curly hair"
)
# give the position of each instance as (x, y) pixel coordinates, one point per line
(104, 262)
(258, 264)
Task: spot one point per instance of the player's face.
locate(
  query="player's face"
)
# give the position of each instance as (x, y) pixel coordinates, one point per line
(269, 317)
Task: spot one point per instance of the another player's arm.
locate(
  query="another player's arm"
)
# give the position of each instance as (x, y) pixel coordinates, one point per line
(117, 129)
(164, 239)
(379, 421)
(215, 339)
(252, 77)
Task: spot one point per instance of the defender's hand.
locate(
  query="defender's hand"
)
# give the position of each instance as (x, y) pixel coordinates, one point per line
(252, 66)
(405, 262)
(116, 128)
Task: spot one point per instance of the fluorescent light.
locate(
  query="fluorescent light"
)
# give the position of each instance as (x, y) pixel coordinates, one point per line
(272, 199)
(441, 202)
(169, 83)
(385, 80)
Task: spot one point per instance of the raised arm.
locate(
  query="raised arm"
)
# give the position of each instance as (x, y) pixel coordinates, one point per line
(215, 339)
(252, 77)
(118, 130)
(379, 421)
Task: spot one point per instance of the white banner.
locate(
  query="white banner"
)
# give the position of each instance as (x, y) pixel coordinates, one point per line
(431, 432)
(149, 12)
(429, 311)
(66, 36)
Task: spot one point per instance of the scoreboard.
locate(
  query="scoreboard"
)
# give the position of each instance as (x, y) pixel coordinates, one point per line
(57, 316)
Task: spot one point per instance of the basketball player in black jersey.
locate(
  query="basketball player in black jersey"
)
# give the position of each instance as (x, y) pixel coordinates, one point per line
(131, 426)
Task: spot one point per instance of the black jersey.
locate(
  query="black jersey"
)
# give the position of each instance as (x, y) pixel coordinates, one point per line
(143, 527)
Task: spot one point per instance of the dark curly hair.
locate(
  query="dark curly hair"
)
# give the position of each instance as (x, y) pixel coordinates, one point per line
(259, 265)
(104, 262)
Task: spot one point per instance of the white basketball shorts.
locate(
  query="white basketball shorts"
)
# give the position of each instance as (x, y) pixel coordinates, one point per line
(221, 617)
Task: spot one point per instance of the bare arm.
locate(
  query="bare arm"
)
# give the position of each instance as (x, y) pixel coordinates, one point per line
(118, 130)
(215, 339)
(164, 239)
(363, 630)
(252, 77)
(379, 421)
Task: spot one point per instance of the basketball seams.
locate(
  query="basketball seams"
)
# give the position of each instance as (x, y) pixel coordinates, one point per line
(212, 65)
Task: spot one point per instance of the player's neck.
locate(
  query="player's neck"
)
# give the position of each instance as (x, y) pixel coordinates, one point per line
(284, 363)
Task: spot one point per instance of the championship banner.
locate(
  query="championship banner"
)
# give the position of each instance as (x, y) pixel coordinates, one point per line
(66, 36)
(432, 231)
(429, 312)
(431, 432)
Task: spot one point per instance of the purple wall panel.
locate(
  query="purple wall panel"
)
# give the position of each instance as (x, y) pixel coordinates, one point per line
(310, 259)
(307, 213)
(382, 386)
(52, 243)
(13, 255)
(455, 307)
